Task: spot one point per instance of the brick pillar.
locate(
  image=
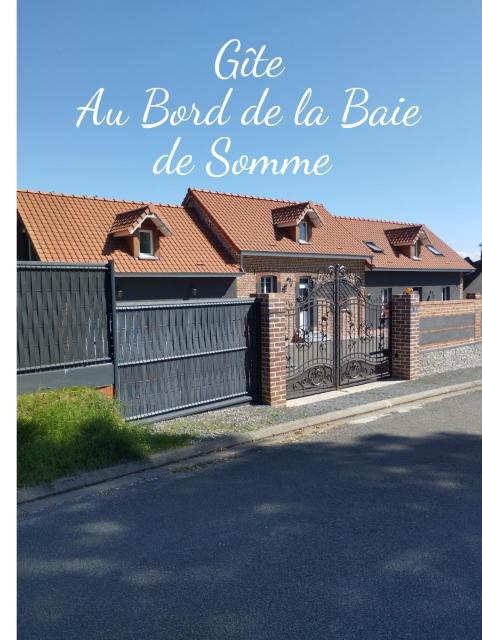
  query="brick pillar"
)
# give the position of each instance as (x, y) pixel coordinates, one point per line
(273, 345)
(406, 336)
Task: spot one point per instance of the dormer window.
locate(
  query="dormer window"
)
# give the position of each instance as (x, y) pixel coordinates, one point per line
(303, 231)
(142, 229)
(416, 251)
(298, 220)
(146, 244)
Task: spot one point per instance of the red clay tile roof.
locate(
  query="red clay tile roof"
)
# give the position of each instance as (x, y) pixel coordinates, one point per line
(379, 231)
(127, 222)
(292, 214)
(403, 236)
(247, 221)
(78, 229)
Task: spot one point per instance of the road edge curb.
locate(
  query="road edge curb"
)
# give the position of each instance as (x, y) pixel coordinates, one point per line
(88, 479)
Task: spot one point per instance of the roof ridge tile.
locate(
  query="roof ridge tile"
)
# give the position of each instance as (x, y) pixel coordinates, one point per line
(99, 198)
(243, 195)
(362, 219)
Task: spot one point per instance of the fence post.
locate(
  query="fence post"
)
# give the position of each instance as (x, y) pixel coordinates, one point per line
(114, 326)
(405, 337)
(272, 308)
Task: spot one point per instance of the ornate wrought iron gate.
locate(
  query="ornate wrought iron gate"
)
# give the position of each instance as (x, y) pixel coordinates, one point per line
(336, 336)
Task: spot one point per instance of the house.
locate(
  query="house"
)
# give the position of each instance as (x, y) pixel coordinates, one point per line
(281, 246)
(160, 251)
(227, 245)
(473, 280)
(407, 255)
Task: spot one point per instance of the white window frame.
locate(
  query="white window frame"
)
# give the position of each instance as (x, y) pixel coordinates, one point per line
(264, 281)
(303, 224)
(416, 250)
(151, 243)
(387, 295)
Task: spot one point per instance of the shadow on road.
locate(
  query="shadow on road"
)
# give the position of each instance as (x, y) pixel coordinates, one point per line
(377, 537)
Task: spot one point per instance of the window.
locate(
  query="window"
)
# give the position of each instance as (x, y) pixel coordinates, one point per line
(145, 244)
(268, 284)
(419, 291)
(373, 246)
(303, 231)
(306, 310)
(387, 295)
(445, 293)
(416, 251)
(434, 250)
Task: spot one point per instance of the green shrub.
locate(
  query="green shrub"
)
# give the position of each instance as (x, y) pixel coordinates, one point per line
(67, 431)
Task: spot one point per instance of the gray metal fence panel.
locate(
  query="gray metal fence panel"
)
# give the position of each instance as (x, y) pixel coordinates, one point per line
(63, 315)
(166, 357)
(181, 355)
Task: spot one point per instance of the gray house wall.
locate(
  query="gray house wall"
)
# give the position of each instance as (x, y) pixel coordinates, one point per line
(175, 288)
(475, 285)
(432, 282)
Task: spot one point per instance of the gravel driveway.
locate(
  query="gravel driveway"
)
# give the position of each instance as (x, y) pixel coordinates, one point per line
(247, 417)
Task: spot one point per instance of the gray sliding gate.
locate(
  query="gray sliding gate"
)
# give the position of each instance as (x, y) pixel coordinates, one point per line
(181, 355)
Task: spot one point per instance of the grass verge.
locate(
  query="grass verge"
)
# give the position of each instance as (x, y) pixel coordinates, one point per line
(67, 431)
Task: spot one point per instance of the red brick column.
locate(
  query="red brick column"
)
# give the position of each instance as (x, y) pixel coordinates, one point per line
(406, 336)
(273, 345)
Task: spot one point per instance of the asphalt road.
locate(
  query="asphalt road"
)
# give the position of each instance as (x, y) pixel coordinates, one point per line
(372, 531)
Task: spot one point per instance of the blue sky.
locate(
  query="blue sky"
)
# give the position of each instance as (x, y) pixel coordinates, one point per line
(427, 51)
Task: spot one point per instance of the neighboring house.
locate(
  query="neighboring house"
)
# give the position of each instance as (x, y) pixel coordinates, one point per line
(160, 251)
(473, 281)
(225, 245)
(408, 255)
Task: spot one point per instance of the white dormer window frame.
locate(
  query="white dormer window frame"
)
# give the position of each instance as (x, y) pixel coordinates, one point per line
(303, 224)
(416, 250)
(150, 234)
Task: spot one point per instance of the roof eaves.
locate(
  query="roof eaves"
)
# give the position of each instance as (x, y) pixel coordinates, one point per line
(301, 254)
(422, 268)
(179, 274)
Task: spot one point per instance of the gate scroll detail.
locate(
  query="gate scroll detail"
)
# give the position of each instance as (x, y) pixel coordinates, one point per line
(336, 336)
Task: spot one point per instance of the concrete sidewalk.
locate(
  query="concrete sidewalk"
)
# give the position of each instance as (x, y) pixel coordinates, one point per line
(356, 404)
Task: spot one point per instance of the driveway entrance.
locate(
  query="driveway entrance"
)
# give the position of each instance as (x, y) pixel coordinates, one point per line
(335, 335)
